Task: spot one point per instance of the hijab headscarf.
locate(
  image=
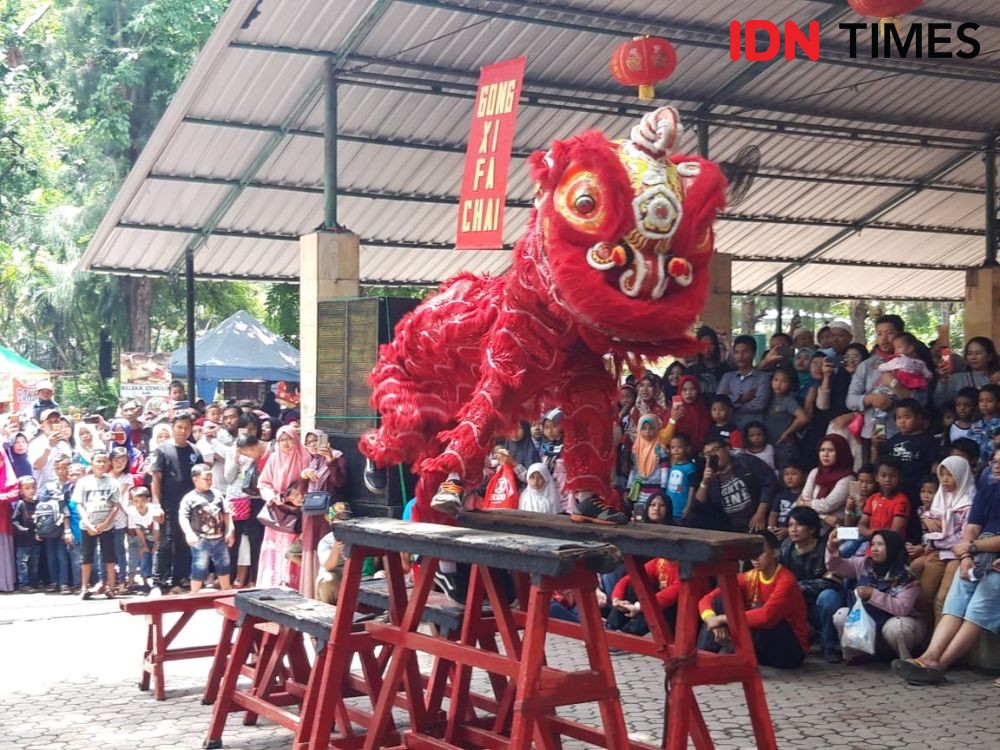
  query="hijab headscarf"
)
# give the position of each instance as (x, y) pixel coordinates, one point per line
(122, 425)
(843, 466)
(523, 451)
(545, 500)
(806, 380)
(282, 469)
(697, 418)
(945, 504)
(82, 451)
(644, 449)
(20, 462)
(893, 572)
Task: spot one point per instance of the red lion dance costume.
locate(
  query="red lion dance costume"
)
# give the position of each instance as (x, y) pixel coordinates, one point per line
(614, 262)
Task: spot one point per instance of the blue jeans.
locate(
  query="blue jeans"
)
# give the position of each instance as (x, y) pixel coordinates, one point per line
(73, 555)
(559, 611)
(138, 562)
(57, 561)
(27, 565)
(828, 602)
(209, 550)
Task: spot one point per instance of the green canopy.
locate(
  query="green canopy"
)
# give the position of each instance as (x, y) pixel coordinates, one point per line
(11, 362)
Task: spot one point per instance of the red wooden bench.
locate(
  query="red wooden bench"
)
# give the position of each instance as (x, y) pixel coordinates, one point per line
(159, 639)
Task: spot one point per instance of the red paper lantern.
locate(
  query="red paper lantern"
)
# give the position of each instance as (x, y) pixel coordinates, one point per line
(884, 8)
(642, 62)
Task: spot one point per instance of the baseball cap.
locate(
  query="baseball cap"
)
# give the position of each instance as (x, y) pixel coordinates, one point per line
(47, 413)
(44, 385)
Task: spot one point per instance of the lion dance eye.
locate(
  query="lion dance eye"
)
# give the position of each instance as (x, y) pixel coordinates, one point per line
(584, 204)
(579, 199)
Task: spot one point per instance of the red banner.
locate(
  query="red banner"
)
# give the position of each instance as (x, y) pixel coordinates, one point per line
(487, 158)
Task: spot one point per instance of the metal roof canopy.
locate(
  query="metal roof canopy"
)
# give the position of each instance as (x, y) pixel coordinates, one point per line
(872, 182)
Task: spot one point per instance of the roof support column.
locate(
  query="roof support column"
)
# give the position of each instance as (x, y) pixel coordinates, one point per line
(779, 298)
(703, 138)
(991, 204)
(192, 388)
(330, 147)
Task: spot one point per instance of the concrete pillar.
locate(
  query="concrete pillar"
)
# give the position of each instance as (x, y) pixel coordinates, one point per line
(718, 306)
(982, 299)
(329, 268)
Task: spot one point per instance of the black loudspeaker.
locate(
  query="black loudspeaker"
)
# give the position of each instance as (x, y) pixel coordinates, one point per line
(350, 333)
(104, 356)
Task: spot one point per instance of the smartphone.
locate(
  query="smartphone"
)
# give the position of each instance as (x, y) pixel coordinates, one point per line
(832, 361)
(322, 440)
(92, 419)
(182, 404)
(847, 534)
(878, 430)
(786, 351)
(677, 400)
(854, 489)
(242, 432)
(713, 462)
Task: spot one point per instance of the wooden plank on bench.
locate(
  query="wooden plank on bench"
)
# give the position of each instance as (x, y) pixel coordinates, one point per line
(292, 610)
(440, 610)
(174, 603)
(519, 552)
(678, 543)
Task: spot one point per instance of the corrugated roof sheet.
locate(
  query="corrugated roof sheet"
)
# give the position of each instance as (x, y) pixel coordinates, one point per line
(217, 175)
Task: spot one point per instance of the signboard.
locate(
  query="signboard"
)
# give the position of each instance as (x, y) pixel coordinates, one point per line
(25, 392)
(487, 157)
(144, 378)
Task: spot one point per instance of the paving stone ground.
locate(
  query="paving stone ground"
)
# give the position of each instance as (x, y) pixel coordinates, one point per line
(69, 672)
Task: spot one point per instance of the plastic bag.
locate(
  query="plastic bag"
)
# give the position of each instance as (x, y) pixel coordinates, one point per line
(860, 630)
(501, 491)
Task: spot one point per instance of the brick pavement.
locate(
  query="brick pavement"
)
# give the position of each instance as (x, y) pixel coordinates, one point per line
(69, 670)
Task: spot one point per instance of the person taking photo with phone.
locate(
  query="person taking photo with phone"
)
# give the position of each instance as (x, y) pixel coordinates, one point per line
(735, 493)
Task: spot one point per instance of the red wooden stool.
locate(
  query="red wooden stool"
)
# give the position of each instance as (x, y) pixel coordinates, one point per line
(159, 639)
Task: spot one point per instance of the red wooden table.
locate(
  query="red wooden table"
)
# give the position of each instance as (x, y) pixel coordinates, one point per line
(701, 555)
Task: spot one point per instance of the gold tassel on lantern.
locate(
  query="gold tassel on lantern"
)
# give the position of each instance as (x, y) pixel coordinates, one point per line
(647, 91)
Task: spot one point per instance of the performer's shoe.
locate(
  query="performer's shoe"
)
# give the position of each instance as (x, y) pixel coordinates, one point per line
(593, 509)
(374, 478)
(448, 498)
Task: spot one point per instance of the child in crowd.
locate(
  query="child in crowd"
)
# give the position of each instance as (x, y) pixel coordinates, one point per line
(722, 424)
(968, 449)
(864, 487)
(755, 440)
(50, 525)
(793, 479)
(989, 421)
(208, 528)
(916, 451)
(540, 495)
(907, 367)
(144, 537)
(27, 546)
(682, 475)
(784, 417)
(551, 453)
(626, 613)
(966, 401)
(915, 550)
(119, 471)
(98, 499)
(889, 507)
(649, 463)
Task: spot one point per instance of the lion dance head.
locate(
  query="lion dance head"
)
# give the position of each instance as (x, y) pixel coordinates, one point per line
(625, 230)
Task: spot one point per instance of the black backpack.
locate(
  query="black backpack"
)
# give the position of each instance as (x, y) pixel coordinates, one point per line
(48, 518)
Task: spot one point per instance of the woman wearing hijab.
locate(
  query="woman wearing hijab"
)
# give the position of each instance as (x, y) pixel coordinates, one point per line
(690, 417)
(9, 492)
(943, 526)
(87, 442)
(282, 471)
(889, 592)
(121, 437)
(828, 485)
(540, 495)
(18, 455)
(326, 472)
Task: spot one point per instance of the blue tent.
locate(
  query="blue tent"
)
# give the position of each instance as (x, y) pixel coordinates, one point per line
(239, 348)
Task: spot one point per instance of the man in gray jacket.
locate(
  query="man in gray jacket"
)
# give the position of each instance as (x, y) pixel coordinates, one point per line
(875, 393)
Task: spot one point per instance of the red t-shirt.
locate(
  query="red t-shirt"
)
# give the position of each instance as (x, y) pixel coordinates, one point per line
(770, 602)
(665, 577)
(881, 510)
